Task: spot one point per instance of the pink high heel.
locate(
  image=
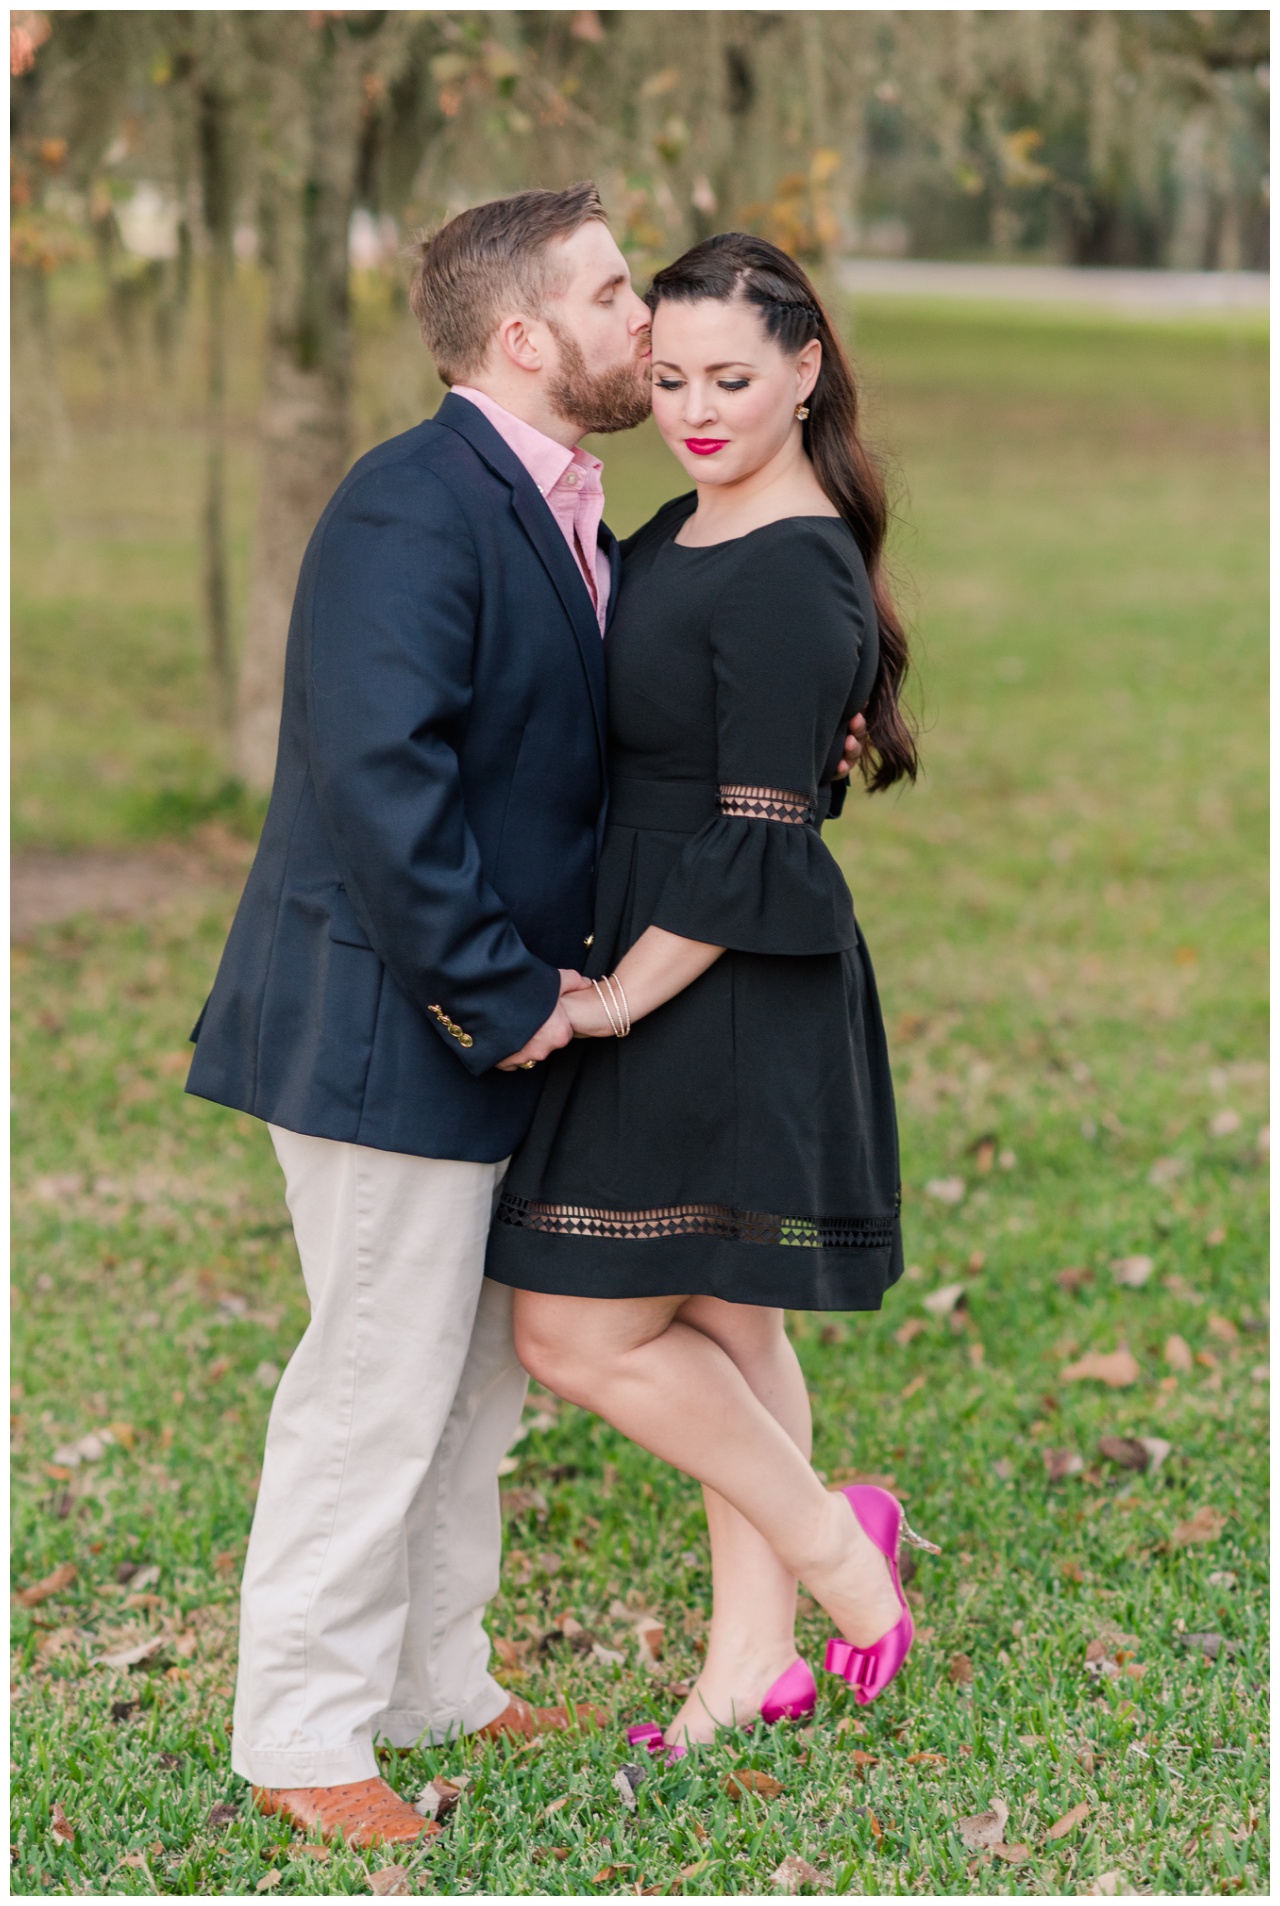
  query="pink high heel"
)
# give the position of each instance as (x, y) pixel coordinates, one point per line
(869, 1671)
(793, 1697)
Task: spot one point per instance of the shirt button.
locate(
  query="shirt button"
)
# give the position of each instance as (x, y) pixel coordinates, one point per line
(572, 478)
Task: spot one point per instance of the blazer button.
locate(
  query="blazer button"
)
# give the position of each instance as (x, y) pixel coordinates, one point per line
(590, 940)
(465, 1039)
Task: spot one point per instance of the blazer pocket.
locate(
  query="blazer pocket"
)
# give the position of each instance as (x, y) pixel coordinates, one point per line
(343, 925)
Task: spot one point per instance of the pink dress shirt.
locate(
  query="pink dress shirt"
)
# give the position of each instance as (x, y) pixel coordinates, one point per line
(569, 481)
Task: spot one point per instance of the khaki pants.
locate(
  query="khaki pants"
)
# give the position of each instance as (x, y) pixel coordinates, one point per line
(376, 1540)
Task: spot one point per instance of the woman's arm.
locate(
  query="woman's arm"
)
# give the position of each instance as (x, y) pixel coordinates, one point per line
(659, 966)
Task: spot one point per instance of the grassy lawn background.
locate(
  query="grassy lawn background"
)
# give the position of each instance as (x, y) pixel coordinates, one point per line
(1067, 922)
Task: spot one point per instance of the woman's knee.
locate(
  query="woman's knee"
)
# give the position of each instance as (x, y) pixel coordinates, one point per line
(745, 1332)
(537, 1345)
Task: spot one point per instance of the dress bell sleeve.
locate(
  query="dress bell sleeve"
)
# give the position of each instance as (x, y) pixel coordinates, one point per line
(786, 641)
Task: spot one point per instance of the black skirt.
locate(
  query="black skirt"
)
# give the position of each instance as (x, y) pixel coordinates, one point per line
(741, 1142)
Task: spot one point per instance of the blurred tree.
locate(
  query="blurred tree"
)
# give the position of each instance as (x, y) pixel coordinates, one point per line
(1107, 137)
(321, 79)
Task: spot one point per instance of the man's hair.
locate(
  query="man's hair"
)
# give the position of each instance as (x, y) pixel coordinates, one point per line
(486, 261)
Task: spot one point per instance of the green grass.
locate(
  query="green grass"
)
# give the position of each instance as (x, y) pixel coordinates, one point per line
(1068, 927)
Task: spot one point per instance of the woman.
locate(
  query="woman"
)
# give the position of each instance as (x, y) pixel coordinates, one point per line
(719, 1144)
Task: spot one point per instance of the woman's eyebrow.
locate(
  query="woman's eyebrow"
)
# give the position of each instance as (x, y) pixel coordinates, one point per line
(735, 364)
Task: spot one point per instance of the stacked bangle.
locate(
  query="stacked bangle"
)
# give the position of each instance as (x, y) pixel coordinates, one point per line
(614, 1001)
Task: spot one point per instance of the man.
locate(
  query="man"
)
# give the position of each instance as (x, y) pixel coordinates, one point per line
(419, 902)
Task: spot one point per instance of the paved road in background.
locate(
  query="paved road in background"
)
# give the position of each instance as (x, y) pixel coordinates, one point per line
(1135, 293)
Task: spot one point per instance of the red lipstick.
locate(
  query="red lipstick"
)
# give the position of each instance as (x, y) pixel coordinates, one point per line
(705, 446)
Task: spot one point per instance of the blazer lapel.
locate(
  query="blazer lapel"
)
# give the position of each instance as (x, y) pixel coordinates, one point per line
(544, 533)
(609, 543)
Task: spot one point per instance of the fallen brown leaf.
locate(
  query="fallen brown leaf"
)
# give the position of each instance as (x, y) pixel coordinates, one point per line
(1210, 1646)
(1074, 1276)
(1013, 1854)
(1060, 1463)
(391, 1882)
(792, 1874)
(907, 1332)
(1133, 1271)
(222, 1815)
(745, 1780)
(698, 1866)
(627, 1783)
(859, 1759)
(1177, 1353)
(598, 1879)
(62, 1577)
(1069, 1820)
(928, 1760)
(268, 1880)
(135, 1656)
(1206, 1525)
(650, 1637)
(439, 1797)
(1116, 1368)
(916, 1384)
(1072, 1572)
(320, 1854)
(1223, 1329)
(1106, 1886)
(984, 1829)
(1128, 1451)
(59, 1825)
(960, 1670)
(944, 1300)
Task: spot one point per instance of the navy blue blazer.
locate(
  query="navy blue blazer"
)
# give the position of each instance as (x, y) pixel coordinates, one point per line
(428, 856)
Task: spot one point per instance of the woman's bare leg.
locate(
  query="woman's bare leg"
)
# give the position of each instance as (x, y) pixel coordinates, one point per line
(674, 1391)
(753, 1612)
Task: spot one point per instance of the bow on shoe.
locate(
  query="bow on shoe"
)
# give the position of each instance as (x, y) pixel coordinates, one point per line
(847, 1661)
(647, 1735)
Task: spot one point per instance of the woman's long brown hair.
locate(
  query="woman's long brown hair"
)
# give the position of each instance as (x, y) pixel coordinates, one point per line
(735, 265)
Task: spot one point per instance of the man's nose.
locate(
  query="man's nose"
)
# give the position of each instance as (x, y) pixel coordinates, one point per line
(641, 317)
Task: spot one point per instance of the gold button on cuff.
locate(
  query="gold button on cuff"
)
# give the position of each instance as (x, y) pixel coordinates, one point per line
(590, 940)
(451, 1027)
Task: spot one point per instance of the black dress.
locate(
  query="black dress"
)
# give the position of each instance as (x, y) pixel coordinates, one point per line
(742, 1141)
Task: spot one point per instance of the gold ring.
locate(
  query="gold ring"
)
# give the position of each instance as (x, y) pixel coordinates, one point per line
(527, 1065)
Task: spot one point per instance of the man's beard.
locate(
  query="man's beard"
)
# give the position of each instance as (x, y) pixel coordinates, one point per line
(612, 400)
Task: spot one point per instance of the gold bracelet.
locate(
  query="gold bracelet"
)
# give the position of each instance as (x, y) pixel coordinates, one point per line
(614, 1002)
(614, 984)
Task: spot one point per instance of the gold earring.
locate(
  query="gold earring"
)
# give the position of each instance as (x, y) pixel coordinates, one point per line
(802, 411)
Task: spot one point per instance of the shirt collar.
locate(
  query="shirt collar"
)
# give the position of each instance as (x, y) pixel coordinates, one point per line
(544, 458)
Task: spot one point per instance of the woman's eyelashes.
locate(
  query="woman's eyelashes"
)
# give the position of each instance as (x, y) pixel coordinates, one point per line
(722, 383)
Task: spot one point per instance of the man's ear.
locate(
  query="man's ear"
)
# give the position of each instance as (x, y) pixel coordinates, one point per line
(517, 340)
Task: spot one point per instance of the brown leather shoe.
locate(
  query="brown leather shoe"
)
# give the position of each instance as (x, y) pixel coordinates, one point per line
(365, 1812)
(519, 1719)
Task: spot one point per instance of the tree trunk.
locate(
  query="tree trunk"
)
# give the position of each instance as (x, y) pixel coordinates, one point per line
(218, 204)
(305, 430)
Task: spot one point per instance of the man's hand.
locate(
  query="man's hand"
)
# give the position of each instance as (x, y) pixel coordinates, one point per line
(556, 1032)
(854, 745)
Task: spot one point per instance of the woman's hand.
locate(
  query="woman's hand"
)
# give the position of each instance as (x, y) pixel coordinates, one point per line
(587, 1015)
